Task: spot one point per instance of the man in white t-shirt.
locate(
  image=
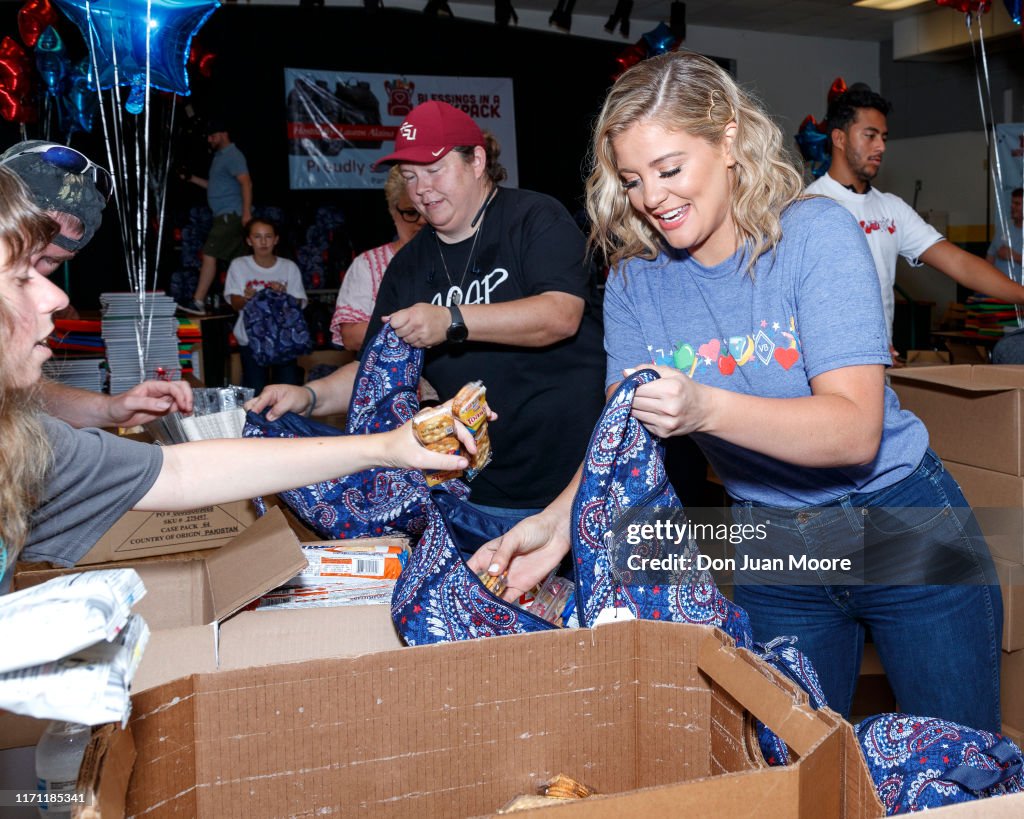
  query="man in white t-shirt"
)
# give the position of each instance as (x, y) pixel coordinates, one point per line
(859, 130)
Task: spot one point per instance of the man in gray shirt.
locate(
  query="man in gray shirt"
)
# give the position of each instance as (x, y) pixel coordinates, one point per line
(229, 195)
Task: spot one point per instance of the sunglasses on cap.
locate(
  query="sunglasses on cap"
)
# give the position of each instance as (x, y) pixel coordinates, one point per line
(68, 159)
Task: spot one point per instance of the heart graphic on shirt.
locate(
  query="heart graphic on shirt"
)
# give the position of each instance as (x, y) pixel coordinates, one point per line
(710, 350)
(787, 358)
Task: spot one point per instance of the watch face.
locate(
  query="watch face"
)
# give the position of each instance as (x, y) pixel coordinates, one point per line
(457, 332)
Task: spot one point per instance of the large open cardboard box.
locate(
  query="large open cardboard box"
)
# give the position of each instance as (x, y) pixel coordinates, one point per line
(652, 715)
(974, 413)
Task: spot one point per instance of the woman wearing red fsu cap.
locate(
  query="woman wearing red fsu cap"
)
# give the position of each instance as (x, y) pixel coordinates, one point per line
(496, 288)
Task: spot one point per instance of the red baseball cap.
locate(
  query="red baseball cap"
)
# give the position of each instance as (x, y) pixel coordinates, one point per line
(429, 132)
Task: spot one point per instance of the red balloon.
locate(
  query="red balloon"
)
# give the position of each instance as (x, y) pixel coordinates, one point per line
(838, 88)
(967, 6)
(15, 68)
(16, 108)
(629, 57)
(200, 59)
(33, 19)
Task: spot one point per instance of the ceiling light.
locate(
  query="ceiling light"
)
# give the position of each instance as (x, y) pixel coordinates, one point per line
(889, 5)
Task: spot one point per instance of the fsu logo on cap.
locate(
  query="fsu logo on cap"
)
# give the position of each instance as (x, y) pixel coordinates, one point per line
(408, 131)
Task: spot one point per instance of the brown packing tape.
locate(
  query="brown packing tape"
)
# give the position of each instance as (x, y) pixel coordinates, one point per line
(794, 723)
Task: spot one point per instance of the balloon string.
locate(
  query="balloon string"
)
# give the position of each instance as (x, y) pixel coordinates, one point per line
(996, 171)
(144, 169)
(162, 187)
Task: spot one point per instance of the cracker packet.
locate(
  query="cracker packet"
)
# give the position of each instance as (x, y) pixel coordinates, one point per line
(434, 427)
(470, 407)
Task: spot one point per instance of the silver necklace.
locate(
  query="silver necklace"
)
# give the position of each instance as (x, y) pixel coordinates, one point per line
(457, 295)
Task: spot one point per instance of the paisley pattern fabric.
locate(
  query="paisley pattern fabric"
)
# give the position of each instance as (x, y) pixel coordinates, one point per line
(783, 655)
(921, 762)
(623, 476)
(375, 501)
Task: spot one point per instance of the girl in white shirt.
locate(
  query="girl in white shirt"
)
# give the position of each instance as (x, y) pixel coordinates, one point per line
(247, 275)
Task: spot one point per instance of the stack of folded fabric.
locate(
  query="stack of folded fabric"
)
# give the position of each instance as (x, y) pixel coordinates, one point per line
(990, 317)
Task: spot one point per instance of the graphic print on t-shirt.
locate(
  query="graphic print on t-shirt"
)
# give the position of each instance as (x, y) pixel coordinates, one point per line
(767, 344)
(477, 291)
(886, 223)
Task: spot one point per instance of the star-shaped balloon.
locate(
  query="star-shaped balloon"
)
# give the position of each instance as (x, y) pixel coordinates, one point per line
(814, 146)
(116, 32)
(660, 40)
(81, 100)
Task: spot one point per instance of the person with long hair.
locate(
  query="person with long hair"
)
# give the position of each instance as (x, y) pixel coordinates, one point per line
(761, 313)
(61, 488)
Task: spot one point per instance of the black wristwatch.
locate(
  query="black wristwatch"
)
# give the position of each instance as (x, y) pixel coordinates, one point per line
(457, 330)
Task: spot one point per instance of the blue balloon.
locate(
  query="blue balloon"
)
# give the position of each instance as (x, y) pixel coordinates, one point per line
(660, 40)
(1013, 6)
(51, 60)
(116, 33)
(813, 145)
(81, 99)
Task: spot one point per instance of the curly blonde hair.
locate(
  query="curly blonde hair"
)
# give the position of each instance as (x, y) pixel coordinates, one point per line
(686, 92)
(25, 455)
(394, 187)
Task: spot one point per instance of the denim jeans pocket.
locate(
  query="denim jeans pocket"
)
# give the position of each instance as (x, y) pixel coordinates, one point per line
(919, 545)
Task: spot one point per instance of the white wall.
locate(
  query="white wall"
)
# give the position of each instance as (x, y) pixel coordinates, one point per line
(953, 171)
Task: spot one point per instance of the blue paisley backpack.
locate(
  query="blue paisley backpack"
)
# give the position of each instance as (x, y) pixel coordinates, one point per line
(919, 763)
(375, 501)
(276, 328)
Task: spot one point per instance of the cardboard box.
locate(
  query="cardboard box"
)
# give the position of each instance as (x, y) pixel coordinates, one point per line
(145, 534)
(654, 716)
(1011, 583)
(1008, 806)
(973, 413)
(926, 358)
(1011, 698)
(188, 594)
(998, 503)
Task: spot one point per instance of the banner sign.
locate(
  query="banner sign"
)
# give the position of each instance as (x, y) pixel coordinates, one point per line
(340, 123)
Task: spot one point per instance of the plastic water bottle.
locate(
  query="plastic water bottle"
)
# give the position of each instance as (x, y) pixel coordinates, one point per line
(58, 758)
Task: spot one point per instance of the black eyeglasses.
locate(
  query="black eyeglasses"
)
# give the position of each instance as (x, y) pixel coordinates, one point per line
(409, 214)
(68, 159)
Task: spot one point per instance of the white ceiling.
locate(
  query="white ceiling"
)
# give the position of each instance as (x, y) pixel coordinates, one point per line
(815, 18)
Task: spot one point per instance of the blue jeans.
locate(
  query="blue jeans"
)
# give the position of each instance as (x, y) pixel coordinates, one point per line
(939, 641)
(258, 376)
(513, 516)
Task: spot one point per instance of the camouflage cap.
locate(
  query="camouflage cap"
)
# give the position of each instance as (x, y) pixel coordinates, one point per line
(55, 189)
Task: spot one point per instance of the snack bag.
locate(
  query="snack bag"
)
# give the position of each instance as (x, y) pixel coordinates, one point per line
(470, 407)
(434, 427)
